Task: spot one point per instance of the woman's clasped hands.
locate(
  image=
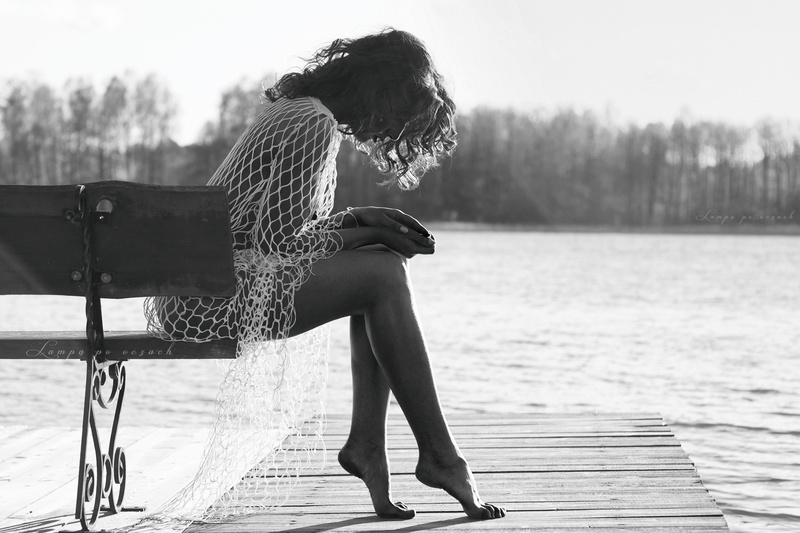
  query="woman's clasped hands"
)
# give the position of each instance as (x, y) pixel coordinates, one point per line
(396, 230)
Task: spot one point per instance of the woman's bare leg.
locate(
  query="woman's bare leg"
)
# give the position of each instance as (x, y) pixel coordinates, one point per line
(364, 453)
(376, 285)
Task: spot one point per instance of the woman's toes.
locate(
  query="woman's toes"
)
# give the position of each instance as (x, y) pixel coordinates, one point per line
(493, 511)
(398, 510)
(407, 514)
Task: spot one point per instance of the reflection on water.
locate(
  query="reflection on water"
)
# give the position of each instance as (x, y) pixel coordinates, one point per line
(702, 329)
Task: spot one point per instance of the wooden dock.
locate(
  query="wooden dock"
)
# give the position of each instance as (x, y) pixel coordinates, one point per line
(552, 472)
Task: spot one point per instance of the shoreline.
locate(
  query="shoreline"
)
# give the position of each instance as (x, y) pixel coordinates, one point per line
(791, 230)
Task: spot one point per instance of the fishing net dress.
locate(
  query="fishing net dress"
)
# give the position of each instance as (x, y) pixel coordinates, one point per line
(280, 177)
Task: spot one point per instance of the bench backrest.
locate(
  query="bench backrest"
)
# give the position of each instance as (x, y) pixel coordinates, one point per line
(156, 240)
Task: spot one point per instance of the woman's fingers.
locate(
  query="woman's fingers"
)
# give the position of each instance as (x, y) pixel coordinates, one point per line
(421, 239)
(409, 244)
(404, 222)
(426, 244)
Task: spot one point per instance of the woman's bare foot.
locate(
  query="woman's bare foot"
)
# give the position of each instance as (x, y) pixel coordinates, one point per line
(369, 463)
(455, 477)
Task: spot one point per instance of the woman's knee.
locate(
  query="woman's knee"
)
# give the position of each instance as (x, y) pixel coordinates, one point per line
(350, 283)
(390, 272)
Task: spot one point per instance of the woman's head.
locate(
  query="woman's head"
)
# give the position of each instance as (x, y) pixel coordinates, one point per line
(388, 92)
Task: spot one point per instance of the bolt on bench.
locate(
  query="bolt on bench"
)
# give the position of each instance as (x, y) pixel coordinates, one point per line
(111, 240)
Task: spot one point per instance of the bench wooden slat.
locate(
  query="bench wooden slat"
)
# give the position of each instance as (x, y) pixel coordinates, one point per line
(38, 247)
(168, 241)
(118, 346)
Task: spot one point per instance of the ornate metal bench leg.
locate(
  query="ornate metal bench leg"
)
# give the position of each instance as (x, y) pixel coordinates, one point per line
(89, 477)
(103, 477)
(117, 464)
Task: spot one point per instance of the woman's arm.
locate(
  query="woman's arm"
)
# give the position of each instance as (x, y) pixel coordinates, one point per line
(352, 238)
(287, 206)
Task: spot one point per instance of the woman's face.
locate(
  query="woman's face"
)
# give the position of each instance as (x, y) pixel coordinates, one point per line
(393, 130)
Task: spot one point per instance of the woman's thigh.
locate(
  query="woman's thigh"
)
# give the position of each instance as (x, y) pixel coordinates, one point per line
(346, 284)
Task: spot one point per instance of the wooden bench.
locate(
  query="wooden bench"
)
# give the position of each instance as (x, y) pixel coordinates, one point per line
(111, 240)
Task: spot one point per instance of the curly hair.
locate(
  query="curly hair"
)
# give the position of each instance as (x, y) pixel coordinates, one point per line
(382, 79)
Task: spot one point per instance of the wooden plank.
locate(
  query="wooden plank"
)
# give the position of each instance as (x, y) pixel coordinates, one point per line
(508, 426)
(557, 454)
(160, 463)
(527, 482)
(10, 432)
(25, 439)
(40, 525)
(350, 522)
(144, 448)
(531, 491)
(530, 434)
(38, 455)
(556, 459)
(408, 461)
(188, 246)
(32, 221)
(513, 427)
(565, 510)
(43, 480)
(162, 479)
(521, 428)
(471, 418)
(49, 488)
(350, 492)
(482, 468)
(537, 442)
(510, 431)
(546, 492)
(693, 497)
(586, 451)
(684, 507)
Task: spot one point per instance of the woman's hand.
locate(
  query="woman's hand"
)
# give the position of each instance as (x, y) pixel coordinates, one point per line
(393, 219)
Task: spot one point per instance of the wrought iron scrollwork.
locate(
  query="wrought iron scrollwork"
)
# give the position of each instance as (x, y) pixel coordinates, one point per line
(104, 476)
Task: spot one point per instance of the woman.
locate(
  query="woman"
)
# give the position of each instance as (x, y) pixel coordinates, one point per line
(299, 268)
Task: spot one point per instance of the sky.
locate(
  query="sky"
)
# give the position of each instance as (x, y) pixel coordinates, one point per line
(631, 61)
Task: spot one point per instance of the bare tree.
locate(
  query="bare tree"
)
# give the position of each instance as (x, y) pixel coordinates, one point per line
(154, 110)
(46, 132)
(15, 128)
(81, 129)
(112, 123)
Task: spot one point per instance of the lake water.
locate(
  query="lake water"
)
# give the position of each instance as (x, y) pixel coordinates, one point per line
(702, 329)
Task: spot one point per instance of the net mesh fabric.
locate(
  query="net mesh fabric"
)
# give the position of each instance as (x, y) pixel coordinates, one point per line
(269, 417)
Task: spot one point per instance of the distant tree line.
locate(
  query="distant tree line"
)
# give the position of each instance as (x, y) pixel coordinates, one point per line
(561, 167)
(80, 134)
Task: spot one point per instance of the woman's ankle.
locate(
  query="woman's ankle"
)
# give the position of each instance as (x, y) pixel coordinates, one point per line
(440, 456)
